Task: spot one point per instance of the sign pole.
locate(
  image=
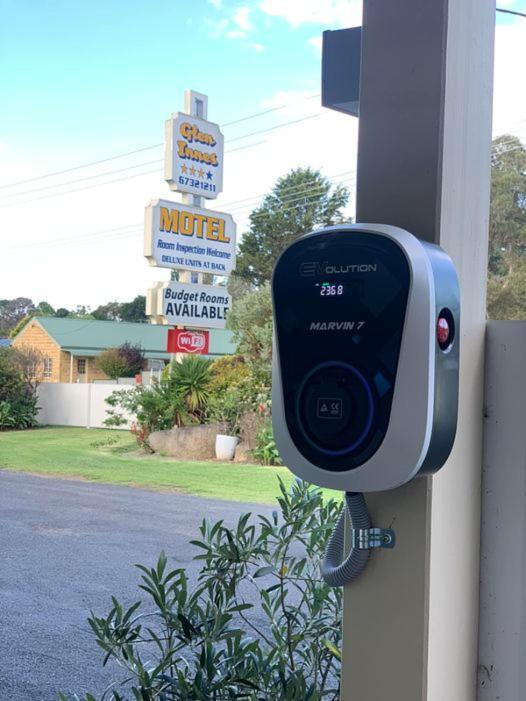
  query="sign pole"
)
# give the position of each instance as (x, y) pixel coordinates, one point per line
(185, 236)
(196, 105)
(410, 622)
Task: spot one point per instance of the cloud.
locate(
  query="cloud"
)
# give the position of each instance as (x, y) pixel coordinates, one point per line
(236, 25)
(216, 3)
(338, 13)
(242, 20)
(316, 42)
(216, 28)
(509, 100)
(257, 47)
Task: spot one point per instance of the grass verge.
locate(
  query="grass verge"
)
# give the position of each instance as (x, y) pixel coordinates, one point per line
(111, 457)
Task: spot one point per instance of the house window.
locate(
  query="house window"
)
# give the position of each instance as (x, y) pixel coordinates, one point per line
(81, 366)
(48, 367)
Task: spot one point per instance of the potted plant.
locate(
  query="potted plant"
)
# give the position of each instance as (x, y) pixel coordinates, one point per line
(226, 407)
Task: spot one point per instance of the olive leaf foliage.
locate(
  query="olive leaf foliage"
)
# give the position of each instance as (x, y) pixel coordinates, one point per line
(260, 624)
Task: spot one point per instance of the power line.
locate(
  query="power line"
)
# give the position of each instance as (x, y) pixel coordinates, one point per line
(79, 180)
(302, 186)
(272, 109)
(89, 236)
(119, 232)
(148, 148)
(511, 12)
(109, 172)
(79, 189)
(306, 194)
(90, 177)
(108, 182)
(238, 138)
(277, 126)
(85, 165)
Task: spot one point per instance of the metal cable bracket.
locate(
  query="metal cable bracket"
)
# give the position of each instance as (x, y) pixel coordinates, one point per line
(368, 538)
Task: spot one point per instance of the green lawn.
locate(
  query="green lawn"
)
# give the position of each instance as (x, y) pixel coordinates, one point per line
(112, 457)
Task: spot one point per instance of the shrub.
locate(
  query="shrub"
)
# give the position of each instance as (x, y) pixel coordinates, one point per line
(226, 372)
(227, 407)
(29, 361)
(125, 361)
(260, 624)
(266, 450)
(155, 408)
(112, 363)
(18, 396)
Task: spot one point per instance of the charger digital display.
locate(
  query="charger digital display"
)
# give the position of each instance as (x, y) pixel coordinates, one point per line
(328, 289)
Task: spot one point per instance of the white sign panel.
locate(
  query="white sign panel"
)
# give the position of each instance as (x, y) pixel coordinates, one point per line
(187, 238)
(197, 306)
(193, 159)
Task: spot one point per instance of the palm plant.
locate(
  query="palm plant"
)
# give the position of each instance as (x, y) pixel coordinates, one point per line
(192, 378)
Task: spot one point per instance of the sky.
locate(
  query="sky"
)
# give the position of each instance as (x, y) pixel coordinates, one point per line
(85, 82)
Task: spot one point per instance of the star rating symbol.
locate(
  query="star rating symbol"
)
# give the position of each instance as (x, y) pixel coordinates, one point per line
(201, 173)
(184, 169)
(209, 175)
(192, 170)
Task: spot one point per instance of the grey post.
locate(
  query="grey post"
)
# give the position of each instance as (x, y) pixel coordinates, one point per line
(410, 623)
(502, 651)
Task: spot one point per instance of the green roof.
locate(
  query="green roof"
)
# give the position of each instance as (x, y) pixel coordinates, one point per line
(89, 337)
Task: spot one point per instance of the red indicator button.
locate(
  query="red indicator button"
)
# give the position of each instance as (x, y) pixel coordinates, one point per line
(443, 331)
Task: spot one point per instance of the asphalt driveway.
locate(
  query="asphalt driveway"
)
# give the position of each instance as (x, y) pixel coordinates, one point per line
(67, 546)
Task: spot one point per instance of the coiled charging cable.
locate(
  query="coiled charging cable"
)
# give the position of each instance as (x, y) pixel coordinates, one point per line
(338, 571)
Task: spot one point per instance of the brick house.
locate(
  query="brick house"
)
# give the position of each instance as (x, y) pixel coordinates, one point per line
(70, 346)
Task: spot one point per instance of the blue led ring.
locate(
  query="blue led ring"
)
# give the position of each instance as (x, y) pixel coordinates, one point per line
(370, 402)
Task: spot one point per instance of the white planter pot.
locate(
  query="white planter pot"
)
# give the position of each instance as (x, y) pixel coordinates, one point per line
(226, 446)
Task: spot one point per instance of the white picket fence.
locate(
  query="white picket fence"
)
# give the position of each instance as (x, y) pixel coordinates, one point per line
(70, 404)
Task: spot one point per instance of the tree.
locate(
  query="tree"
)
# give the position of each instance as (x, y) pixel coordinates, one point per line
(125, 361)
(112, 363)
(29, 361)
(62, 313)
(507, 233)
(81, 312)
(24, 321)
(108, 312)
(44, 309)
(12, 311)
(250, 321)
(134, 310)
(299, 202)
(134, 358)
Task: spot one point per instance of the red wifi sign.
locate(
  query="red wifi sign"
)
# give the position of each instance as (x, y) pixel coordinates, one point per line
(182, 341)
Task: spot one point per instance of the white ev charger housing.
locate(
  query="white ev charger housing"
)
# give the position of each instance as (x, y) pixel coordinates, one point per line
(366, 354)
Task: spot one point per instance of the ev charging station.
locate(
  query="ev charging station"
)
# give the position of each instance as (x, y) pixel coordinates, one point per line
(371, 400)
